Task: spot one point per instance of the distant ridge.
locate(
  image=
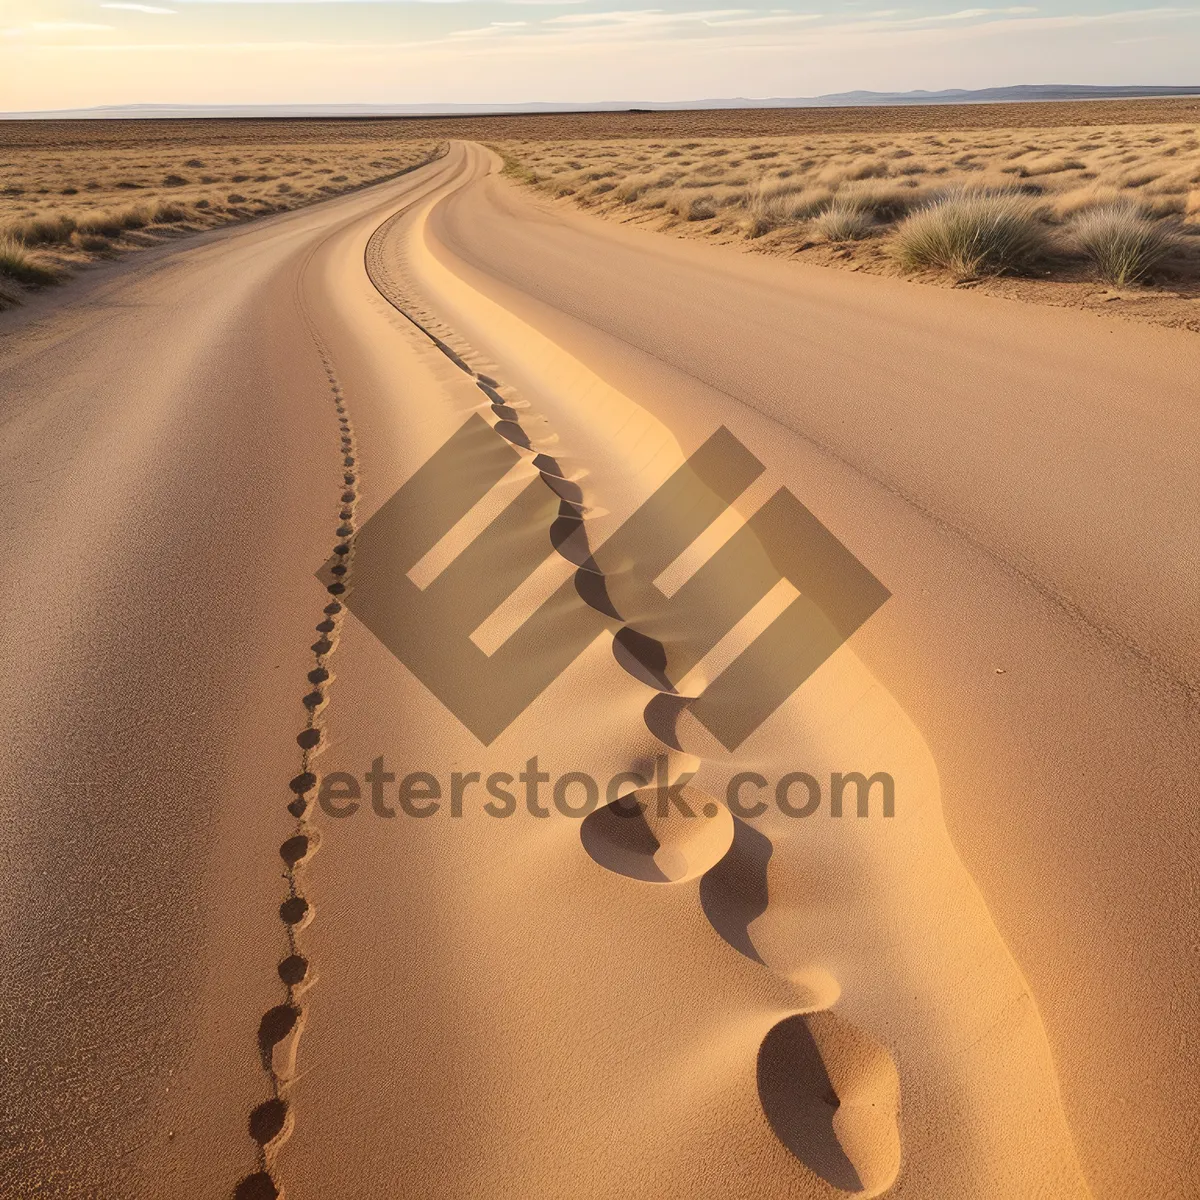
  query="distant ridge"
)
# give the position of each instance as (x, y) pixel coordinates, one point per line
(996, 95)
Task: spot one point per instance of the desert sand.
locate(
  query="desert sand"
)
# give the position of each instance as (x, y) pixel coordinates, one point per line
(1106, 215)
(214, 986)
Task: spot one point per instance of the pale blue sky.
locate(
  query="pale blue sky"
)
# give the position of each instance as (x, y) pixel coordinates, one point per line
(71, 53)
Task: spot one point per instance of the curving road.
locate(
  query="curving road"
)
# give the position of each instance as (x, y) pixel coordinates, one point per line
(1023, 480)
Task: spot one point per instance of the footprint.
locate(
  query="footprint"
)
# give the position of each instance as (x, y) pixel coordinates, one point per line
(259, 1186)
(564, 489)
(662, 717)
(514, 433)
(643, 657)
(276, 1025)
(631, 838)
(831, 1095)
(734, 892)
(568, 536)
(270, 1122)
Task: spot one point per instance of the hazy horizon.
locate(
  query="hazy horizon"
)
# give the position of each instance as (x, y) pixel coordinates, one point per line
(71, 54)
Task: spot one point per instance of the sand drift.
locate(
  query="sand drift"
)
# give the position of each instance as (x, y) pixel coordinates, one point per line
(430, 499)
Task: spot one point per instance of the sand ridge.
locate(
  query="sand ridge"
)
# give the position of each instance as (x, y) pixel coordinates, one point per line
(851, 1143)
(561, 1004)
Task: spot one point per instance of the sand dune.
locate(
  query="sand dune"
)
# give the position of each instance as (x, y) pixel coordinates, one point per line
(951, 989)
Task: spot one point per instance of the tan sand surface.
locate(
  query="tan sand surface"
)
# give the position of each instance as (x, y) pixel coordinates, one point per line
(991, 993)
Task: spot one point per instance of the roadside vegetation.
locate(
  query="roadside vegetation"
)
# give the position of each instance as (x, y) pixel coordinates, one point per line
(971, 233)
(62, 207)
(1118, 205)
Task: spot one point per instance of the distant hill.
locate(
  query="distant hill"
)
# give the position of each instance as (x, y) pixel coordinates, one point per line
(998, 95)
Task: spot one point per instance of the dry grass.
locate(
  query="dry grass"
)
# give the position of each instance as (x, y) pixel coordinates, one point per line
(842, 222)
(1125, 245)
(64, 204)
(969, 203)
(17, 263)
(973, 233)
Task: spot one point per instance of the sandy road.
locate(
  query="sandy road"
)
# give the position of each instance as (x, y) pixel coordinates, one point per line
(1022, 480)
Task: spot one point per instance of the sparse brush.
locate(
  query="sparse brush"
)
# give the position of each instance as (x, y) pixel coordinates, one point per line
(1124, 245)
(166, 212)
(91, 242)
(972, 233)
(786, 203)
(39, 231)
(860, 168)
(632, 189)
(17, 263)
(885, 201)
(693, 208)
(102, 224)
(842, 223)
(1068, 204)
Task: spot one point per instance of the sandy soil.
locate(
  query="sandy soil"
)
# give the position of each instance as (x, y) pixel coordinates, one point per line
(846, 200)
(213, 986)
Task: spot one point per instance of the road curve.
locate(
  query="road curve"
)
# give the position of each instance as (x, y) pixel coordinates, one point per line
(1022, 480)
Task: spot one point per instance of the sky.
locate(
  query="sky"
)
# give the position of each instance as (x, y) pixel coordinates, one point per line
(79, 53)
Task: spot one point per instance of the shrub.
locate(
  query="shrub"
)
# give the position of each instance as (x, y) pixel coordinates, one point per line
(138, 216)
(39, 231)
(691, 208)
(842, 223)
(634, 188)
(885, 201)
(103, 224)
(166, 212)
(783, 203)
(1124, 245)
(972, 233)
(16, 263)
(92, 242)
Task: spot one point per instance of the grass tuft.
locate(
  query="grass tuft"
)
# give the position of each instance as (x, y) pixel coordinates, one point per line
(42, 231)
(972, 233)
(16, 263)
(842, 223)
(1124, 245)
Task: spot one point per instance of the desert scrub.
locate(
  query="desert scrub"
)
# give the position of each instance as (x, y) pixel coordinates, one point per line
(782, 204)
(64, 199)
(45, 230)
(972, 233)
(16, 263)
(1123, 244)
(698, 208)
(842, 223)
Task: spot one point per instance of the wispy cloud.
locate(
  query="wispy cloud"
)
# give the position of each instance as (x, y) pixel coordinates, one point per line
(152, 9)
(53, 27)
